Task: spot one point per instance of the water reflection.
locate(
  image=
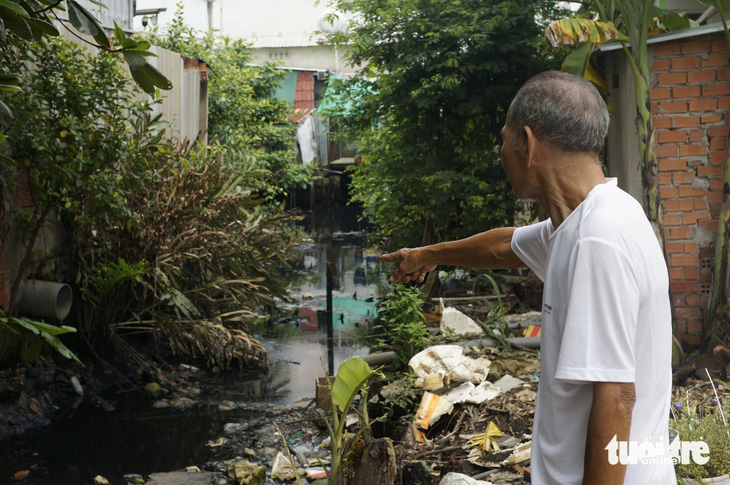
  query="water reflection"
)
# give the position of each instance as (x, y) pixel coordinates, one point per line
(298, 337)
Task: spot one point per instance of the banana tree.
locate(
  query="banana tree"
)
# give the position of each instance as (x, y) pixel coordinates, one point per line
(623, 21)
(717, 305)
(353, 376)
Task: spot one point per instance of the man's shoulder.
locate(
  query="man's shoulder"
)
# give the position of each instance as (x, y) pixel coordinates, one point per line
(615, 215)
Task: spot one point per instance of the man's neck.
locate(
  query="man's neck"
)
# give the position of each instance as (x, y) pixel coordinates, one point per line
(567, 183)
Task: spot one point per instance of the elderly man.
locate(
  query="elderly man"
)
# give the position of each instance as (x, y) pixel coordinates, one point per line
(605, 375)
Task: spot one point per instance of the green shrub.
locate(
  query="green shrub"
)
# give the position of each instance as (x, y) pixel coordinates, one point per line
(401, 322)
(163, 241)
(693, 422)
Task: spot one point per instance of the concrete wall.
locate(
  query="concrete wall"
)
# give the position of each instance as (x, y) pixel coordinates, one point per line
(270, 23)
(321, 58)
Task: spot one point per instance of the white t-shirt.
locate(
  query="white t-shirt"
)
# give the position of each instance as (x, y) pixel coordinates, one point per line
(606, 318)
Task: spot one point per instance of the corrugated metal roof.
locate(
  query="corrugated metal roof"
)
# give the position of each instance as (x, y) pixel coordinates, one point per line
(670, 36)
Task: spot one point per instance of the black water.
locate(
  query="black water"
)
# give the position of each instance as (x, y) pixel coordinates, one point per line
(134, 438)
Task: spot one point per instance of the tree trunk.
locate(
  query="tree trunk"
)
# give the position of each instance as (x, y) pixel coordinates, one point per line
(637, 15)
(717, 305)
(377, 464)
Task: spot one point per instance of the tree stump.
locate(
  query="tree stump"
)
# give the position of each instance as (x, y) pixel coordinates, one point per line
(377, 464)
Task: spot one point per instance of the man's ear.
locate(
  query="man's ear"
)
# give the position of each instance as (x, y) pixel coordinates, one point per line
(529, 144)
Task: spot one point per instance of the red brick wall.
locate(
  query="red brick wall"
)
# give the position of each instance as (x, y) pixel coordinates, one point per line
(691, 106)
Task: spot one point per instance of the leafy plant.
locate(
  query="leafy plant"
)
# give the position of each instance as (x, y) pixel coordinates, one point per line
(76, 123)
(496, 326)
(428, 106)
(401, 322)
(693, 421)
(48, 333)
(353, 377)
(244, 113)
(405, 400)
(172, 243)
(32, 20)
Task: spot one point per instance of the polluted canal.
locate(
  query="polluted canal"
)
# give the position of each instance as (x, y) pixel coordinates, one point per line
(128, 436)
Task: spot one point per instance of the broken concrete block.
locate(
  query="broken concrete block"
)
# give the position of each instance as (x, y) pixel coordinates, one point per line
(459, 323)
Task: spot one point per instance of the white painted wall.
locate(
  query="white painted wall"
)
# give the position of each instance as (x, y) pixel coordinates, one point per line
(270, 23)
(195, 12)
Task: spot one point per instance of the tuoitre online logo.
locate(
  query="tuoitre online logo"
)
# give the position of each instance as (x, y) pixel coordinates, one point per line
(657, 452)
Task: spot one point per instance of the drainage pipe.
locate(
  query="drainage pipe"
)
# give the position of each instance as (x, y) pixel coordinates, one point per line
(379, 358)
(482, 343)
(45, 299)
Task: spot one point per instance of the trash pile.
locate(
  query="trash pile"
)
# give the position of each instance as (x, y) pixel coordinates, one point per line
(475, 414)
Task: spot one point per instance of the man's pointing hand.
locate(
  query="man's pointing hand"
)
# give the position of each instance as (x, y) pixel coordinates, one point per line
(411, 266)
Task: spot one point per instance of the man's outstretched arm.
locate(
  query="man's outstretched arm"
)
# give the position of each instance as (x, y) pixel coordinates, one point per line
(487, 250)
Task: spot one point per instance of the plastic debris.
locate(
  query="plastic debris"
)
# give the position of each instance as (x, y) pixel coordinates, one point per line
(192, 469)
(226, 406)
(519, 454)
(468, 392)
(507, 383)
(487, 440)
(99, 480)
(77, 386)
(231, 428)
(522, 453)
(153, 388)
(450, 364)
(453, 478)
(431, 409)
(133, 478)
(314, 473)
(247, 473)
(282, 468)
(219, 442)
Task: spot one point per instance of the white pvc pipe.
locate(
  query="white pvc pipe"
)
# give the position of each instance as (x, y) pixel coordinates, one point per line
(45, 299)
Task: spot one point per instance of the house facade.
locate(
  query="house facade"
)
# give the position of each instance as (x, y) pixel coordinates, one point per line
(690, 91)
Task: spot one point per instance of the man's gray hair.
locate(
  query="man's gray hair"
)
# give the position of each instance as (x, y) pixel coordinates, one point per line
(562, 110)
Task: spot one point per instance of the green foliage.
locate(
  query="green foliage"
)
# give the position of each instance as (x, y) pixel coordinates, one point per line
(172, 242)
(70, 133)
(406, 400)
(39, 330)
(244, 114)
(33, 20)
(432, 97)
(496, 326)
(694, 422)
(353, 377)
(401, 322)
